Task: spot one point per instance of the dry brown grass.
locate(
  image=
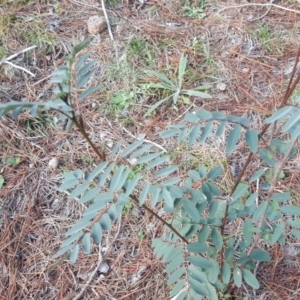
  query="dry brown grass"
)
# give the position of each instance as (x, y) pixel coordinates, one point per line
(231, 50)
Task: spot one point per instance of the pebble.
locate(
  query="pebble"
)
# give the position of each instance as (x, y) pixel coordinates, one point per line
(221, 86)
(96, 24)
(53, 163)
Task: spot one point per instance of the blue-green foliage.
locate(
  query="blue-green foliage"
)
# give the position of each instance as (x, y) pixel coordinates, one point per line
(202, 258)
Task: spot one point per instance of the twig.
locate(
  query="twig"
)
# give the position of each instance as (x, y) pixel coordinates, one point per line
(18, 67)
(16, 54)
(260, 17)
(260, 4)
(107, 20)
(147, 141)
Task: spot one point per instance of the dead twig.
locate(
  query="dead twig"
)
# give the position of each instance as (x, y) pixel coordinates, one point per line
(107, 20)
(262, 5)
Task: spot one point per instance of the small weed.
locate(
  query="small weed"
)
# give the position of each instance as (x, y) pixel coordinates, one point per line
(11, 161)
(140, 49)
(123, 99)
(37, 35)
(174, 87)
(1, 185)
(87, 160)
(140, 235)
(127, 207)
(270, 41)
(194, 10)
(191, 12)
(111, 2)
(39, 123)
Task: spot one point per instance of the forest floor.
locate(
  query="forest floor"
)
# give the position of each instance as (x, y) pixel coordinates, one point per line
(243, 49)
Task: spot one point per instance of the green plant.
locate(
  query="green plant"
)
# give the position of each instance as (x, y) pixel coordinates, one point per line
(192, 12)
(203, 258)
(1, 181)
(11, 161)
(174, 87)
(122, 99)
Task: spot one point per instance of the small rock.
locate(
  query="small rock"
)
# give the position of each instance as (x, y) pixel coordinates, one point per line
(221, 86)
(103, 268)
(245, 70)
(53, 163)
(96, 24)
